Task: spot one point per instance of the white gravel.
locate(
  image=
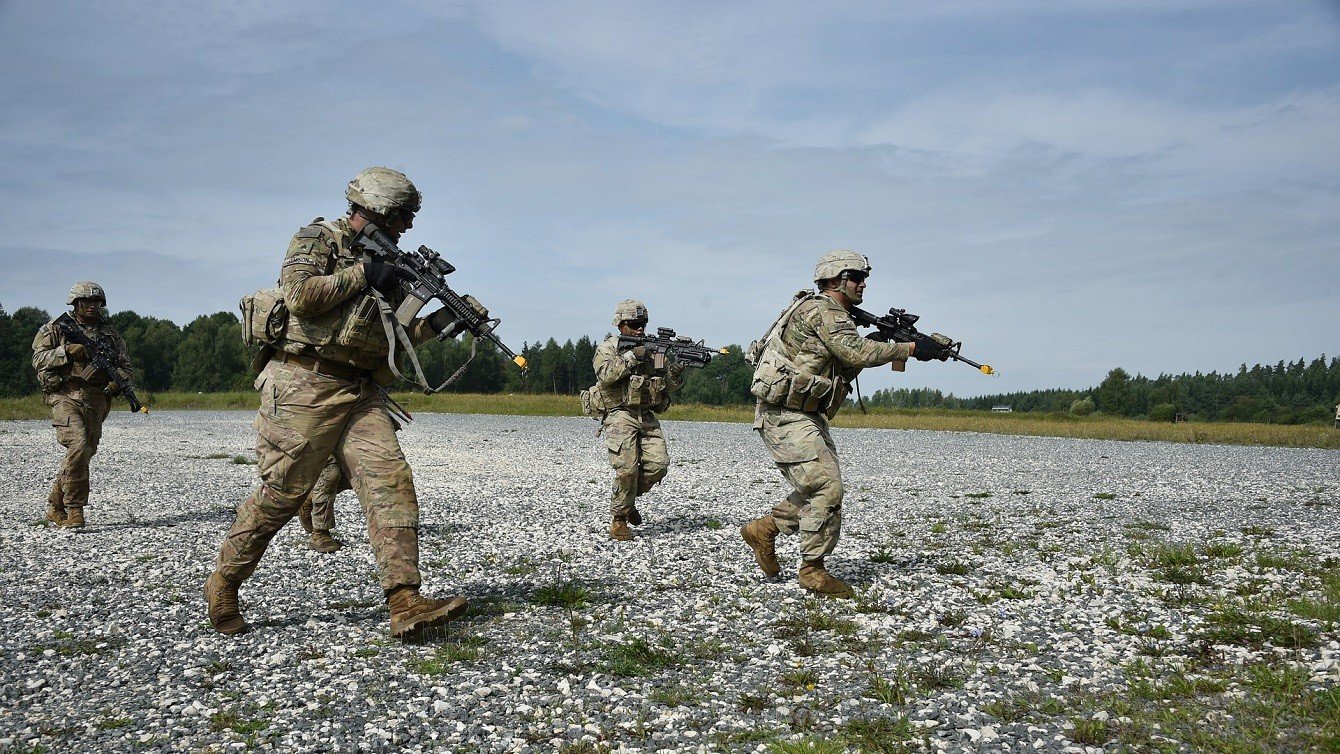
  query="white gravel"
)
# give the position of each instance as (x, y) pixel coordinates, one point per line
(104, 645)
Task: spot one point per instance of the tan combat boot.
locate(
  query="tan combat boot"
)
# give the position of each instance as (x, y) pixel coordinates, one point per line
(221, 596)
(323, 542)
(634, 517)
(813, 577)
(305, 516)
(761, 535)
(412, 613)
(74, 518)
(619, 529)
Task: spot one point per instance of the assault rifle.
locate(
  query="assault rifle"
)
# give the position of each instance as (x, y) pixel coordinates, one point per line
(99, 360)
(900, 327)
(427, 281)
(685, 349)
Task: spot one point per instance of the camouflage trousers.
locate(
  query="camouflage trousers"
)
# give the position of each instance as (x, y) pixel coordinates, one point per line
(804, 452)
(304, 419)
(78, 425)
(330, 483)
(637, 452)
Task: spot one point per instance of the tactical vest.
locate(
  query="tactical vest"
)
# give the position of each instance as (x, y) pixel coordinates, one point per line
(636, 392)
(779, 381)
(348, 333)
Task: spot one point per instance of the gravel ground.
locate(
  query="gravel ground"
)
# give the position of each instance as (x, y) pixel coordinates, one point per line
(1006, 588)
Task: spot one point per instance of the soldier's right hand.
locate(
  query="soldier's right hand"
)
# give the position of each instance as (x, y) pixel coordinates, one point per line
(384, 278)
(76, 352)
(638, 353)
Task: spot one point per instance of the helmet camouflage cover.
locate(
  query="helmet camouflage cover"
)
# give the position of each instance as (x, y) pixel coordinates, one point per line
(628, 310)
(86, 289)
(835, 262)
(384, 190)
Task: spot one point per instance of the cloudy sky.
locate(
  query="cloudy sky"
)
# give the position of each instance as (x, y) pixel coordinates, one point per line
(1067, 187)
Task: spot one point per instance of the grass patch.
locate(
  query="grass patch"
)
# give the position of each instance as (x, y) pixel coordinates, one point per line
(1239, 626)
(882, 555)
(463, 649)
(953, 568)
(1090, 732)
(567, 594)
(1222, 550)
(243, 719)
(878, 735)
(638, 658)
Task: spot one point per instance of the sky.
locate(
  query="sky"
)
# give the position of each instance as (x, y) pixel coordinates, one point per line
(1065, 187)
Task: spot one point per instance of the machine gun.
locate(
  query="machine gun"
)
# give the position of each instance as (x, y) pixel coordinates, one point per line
(100, 360)
(427, 272)
(900, 327)
(688, 352)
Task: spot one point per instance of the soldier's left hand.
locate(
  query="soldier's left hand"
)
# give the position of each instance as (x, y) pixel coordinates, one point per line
(441, 320)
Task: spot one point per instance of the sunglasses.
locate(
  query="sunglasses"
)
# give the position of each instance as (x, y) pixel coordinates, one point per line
(855, 277)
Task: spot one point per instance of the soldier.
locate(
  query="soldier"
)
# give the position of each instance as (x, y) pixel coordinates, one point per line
(631, 387)
(803, 366)
(317, 514)
(79, 396)
(320, 396)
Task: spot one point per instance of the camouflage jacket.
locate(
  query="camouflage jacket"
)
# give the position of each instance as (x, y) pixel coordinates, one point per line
(58, 373)
(330, 311)
(811, 355)
(821, 338)
(624, 382)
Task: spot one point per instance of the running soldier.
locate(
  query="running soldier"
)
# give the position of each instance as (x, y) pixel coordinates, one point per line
(79, 395)
(632, 386)
(320, 396)
(804, 364)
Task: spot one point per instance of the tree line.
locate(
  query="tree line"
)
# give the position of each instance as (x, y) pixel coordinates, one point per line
(1286, 393)
(207, 355)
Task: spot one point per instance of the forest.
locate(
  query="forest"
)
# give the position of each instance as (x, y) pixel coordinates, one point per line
(207, 355)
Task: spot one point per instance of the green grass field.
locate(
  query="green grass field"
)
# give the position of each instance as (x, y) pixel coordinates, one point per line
(1049, 425)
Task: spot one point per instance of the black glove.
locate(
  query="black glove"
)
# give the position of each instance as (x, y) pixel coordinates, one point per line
(384, 278)
(441, 320)
(929, 349)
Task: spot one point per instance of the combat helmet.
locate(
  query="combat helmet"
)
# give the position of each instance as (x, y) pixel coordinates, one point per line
(835, 262)
(629, 310)
(384, 190)
(86, 289)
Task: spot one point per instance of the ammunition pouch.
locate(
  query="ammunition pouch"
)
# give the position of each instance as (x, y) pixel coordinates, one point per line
(353, 326)
(591, 399)
(264, 317)
(779, 382)
(637, 393)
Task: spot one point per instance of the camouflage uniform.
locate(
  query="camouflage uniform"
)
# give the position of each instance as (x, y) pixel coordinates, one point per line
(320, 397)
(820, 338)
(632, 390)
(804, 365)
(306, 416)
(78, 404)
